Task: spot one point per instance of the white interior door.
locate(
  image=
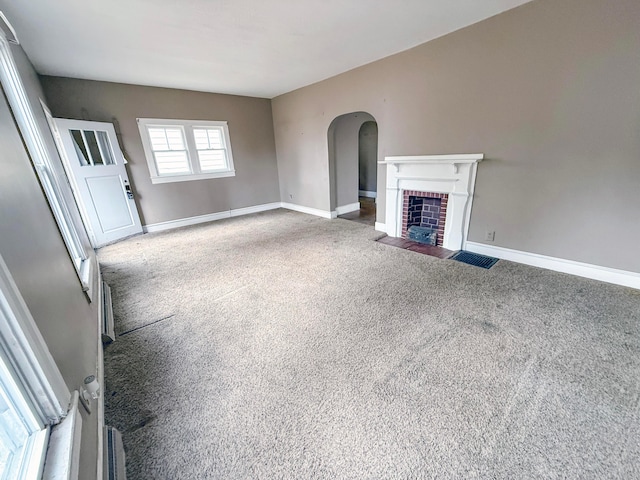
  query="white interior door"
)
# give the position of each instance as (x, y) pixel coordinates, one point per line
(99, 179)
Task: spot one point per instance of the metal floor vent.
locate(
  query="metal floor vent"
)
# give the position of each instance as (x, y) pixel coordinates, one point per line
(108, 333)
(474, 259)
(114, 462)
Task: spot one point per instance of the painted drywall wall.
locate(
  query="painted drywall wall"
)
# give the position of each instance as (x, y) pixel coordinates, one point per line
(250, 130)
(368, 156)
(547, 91)
(38, 260)
(344, 132)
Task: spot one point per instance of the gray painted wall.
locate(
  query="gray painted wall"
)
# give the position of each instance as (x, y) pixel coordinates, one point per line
(250, 130)
(31, 245)
(547, 91)
(368, 156)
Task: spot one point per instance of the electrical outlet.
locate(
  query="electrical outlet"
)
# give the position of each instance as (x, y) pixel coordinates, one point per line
(489, 235)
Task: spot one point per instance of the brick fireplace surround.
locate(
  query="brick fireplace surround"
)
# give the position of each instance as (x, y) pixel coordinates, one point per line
(444, 199)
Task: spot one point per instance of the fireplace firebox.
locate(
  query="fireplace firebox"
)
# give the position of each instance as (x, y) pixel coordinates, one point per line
(425, 209)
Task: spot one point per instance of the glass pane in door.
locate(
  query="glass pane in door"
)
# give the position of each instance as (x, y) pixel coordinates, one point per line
(105, 148)
(93, 147)
(90, 136)
(80, 147)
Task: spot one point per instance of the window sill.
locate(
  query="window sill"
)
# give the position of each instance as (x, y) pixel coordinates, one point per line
(198, 176)
(63, 454)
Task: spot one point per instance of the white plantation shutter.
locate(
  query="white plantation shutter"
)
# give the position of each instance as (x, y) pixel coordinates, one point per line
(210, 144)
(182, 150)
(169, 150)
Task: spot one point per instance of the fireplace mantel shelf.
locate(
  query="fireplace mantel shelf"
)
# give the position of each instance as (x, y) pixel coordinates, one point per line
(454, 160)
(463, 158)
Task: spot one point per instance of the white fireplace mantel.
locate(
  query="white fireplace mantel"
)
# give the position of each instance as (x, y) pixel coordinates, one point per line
(454, 175)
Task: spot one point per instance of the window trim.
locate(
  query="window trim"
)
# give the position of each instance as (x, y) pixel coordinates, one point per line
(28, 461)
(41, 160)
(28, 354)
(85, 271)
(192, 152)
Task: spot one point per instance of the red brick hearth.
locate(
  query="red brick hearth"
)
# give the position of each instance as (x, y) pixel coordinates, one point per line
(444, 198)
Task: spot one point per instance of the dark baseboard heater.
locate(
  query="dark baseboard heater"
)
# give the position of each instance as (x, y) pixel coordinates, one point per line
(108, 332)
(114, 465)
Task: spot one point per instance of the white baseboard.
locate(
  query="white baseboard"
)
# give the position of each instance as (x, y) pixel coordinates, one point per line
(311, 211)
(381, 227)
(352, 207)
(184, 222)
(255, 209)
(368, 194)
(595, 272)
(210, 217)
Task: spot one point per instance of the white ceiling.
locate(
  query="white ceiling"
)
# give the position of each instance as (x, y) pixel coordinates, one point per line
(246, 47)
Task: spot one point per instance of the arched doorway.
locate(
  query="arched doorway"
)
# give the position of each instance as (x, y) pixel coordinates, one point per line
(353, 155)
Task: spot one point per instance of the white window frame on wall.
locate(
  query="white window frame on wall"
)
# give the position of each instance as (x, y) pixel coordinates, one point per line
(31, 380)
(187, 127)
(40, 157)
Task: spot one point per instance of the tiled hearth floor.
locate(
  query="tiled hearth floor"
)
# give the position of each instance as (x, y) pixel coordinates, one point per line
(416, 247)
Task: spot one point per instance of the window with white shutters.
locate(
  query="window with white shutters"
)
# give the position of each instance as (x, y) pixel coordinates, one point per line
(169, 150)
(212, 152)
(179, 150)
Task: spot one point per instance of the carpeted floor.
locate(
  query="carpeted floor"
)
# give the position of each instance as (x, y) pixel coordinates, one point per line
(291, 347)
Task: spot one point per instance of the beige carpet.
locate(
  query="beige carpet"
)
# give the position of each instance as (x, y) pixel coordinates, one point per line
(283, 346)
